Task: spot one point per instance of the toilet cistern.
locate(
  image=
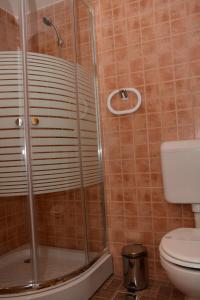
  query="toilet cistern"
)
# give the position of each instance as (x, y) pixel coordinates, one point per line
(180, 162)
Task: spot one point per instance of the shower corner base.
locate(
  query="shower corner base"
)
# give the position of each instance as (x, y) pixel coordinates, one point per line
(81, 287)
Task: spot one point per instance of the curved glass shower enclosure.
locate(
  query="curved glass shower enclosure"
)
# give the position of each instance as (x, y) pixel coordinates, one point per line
(51, 188)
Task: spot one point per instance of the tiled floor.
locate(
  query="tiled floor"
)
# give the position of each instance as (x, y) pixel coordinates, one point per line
(113, 290)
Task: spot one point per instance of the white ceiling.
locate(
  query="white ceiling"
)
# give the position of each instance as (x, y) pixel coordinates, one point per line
(12, 6)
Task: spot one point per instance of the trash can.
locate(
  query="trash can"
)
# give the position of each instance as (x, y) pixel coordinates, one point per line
(135, 267)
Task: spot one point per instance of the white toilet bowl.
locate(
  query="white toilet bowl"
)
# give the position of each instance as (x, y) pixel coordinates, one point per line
(180, 257)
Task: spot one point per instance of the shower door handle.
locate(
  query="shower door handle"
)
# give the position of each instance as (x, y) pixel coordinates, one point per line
(35, 121)
(19, 122)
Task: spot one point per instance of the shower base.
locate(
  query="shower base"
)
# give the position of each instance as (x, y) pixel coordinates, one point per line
(15, 270)
(53, 262)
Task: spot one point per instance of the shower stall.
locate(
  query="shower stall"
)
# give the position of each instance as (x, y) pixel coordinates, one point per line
(52, 213)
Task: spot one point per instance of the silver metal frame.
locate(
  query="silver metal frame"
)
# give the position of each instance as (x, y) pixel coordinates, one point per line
(99, 134)
(79, 138)
(27, 138)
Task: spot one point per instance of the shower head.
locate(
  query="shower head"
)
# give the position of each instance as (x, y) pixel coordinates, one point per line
(48, 21)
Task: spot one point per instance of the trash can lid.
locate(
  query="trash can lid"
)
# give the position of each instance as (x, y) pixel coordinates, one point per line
(134, 250)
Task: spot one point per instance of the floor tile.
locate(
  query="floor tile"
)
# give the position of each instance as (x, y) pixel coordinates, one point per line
(113, 289)
(125, 296)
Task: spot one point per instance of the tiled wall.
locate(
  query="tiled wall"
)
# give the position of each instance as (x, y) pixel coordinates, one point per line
(9, 32)
(152, 45)
(60, 219)
(84, 42)
(42, 38)
(95, 218)
(61, 222)
(13, 223)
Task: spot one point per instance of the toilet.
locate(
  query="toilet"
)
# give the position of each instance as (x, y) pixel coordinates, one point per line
(180, 248)
(180, 257)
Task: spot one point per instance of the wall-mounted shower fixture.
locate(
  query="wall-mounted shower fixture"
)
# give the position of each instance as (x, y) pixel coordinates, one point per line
(47, 21)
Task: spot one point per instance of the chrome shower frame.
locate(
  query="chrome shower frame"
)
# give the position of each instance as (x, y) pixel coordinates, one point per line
(35, 284)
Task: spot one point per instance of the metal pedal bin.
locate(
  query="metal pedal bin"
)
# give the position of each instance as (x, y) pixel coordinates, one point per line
(135, 267)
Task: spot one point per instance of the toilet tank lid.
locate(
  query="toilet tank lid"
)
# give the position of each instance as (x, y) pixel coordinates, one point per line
(180, 145)
(183, 244)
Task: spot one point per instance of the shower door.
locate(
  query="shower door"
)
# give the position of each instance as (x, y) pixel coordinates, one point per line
(50, 172)
(15, 180)
(55, 140)
(90, 137)
(66, 160)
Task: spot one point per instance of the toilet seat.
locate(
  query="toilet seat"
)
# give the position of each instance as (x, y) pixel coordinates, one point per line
(182, 247)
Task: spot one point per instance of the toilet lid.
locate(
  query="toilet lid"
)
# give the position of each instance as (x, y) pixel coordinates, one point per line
(182, 245)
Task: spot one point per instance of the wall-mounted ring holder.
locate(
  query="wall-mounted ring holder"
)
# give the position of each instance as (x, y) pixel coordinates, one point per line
(124, 96)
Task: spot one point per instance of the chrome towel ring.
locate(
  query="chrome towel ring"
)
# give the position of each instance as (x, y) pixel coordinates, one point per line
(124, 96)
